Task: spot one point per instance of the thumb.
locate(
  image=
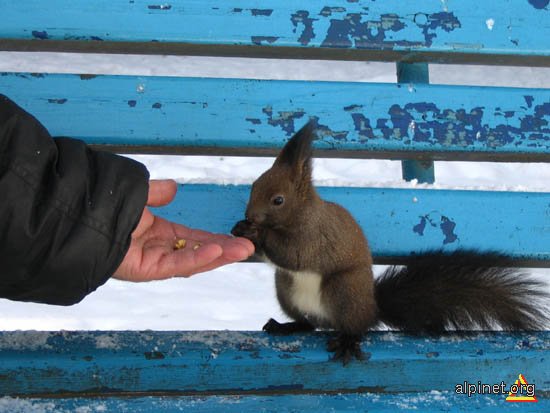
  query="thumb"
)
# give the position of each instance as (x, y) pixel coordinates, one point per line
(161, 192)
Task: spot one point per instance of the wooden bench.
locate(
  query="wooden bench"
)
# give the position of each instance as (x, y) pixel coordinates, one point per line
(411, 120)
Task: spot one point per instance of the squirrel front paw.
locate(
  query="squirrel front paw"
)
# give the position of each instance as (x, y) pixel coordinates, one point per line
(245, 229)
(346, 347)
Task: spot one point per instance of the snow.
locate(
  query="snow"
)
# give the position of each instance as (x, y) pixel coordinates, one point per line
(14, 405)
(242, 296)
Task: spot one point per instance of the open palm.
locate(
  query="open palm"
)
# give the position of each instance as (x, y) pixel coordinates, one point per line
(152, 255)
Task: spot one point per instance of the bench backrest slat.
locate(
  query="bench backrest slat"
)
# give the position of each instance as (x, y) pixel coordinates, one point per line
(255, 117)
(398, 221)
(466, 31)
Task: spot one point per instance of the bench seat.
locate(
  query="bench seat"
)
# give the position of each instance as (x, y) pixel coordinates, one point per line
(249, 370)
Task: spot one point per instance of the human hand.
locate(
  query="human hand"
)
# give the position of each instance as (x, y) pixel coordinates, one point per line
(152, 255)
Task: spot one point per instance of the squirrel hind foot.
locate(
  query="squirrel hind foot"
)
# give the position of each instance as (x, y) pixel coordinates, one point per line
(273, 327)
(346, 347)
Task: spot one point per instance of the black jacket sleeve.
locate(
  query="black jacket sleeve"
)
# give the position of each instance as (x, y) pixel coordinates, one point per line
(66, 211)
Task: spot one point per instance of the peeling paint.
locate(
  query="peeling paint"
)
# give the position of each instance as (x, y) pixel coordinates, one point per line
(353, 108)
(446, 225)
(87, 77)
(353, 31)
(258, 40)
(323, 131)
(84, 38)
(327, 11)
(156, 105)
(132, 103)
(159, 7)
(421, 226)
(42, 35)
(302, 17)
(420, 19)
(362, 126)
(254, 121)
(443, 20)
(58, 101)
(539, 4)
(284, 120)
(261, 12)
(426, 122)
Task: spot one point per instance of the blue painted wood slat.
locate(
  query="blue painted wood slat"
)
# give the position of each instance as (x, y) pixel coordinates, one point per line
(194, 115)
(426, 402)
(411, 28)
(194, 363)
(398, 222)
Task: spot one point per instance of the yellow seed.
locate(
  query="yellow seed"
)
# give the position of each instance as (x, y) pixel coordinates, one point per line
(180, 244)
(197, 246)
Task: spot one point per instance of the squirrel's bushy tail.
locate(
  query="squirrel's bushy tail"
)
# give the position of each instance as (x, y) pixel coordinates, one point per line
(463, 290)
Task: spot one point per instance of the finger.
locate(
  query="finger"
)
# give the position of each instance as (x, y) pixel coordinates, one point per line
(197, 234)
(246, 244)
(236, 249)
(232, 253)
(161, 192)
(145, 222)
(187, 262)
(205, 236)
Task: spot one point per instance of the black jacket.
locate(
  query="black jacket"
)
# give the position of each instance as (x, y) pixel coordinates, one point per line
(66, 211)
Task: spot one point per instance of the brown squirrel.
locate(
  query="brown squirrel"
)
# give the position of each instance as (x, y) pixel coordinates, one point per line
(324, 275)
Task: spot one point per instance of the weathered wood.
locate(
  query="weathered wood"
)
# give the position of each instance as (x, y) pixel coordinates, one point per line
(194, 363)
(393, 30)
(398, 222)
(193, 115)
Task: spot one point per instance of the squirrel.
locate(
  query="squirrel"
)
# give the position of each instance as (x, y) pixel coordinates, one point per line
(324, 277)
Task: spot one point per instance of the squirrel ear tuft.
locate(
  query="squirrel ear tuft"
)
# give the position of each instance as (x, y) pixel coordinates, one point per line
(298, 150)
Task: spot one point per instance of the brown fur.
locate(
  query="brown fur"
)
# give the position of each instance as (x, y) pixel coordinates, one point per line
(305, 234)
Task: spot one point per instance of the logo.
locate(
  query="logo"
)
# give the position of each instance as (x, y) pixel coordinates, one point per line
(520, 391)
(526, 391)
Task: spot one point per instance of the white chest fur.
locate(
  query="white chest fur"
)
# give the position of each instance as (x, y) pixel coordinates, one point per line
(306, 294)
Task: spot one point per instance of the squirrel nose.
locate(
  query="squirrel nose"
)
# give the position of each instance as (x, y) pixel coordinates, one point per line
(254, 217)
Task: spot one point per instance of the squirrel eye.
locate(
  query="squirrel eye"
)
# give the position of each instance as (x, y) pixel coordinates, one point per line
(278, 200)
